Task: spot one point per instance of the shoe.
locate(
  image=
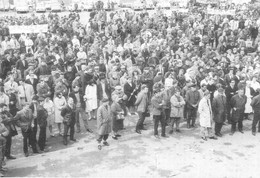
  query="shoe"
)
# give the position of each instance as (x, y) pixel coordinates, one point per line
(45, 151)
(89, 130)
(26, 154)
(52, 135)
(36, 152)
(157, 136)
(143, 129)
(178, 130)
(65, 142)
(78, 131)
(105, 143)
(4, 169)
(10, 157)
(73, 139)
(218, 134)
(114, 137)
(138, 131)
(253, 133)
(171, 131)
(99, 147)
(232, 133)
(165, 136)
(118, 135)
(241, 131)
(61, 134)
(1, 175)
(213, 138)
(204, 138)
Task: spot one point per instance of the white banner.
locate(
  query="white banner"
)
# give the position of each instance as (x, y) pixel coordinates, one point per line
(17, 29)
(220, 12)
(183, 10)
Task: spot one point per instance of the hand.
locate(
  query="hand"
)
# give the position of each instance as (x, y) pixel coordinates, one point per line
(235, 109)
(32, 125)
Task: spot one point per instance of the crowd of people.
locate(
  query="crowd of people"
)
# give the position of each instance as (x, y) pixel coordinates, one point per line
(177, 67)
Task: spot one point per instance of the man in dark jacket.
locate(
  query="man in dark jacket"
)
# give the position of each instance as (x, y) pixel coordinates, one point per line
(256, 107)
(42, 116)
(238, 103)
(219, 110)
(68, 114)
(230, 92)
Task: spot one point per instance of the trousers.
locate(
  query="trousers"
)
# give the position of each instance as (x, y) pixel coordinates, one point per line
(102, 137)
(256, 120)
(192, 114)
(156, 120)
(42, 138)
(68, 127)
(218, 127)
(28, 137)
(140, 121)
(80, 113)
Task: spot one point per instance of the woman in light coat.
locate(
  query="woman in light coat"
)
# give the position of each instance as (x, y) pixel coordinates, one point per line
(59, 103)
(206, 117)
(91, 100)
(103, 122)
(177, 107)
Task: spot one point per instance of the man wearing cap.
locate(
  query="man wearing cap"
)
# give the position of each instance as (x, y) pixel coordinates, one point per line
(157, 110)
(192, 100)
(142, 105)
(238, 103)
(256, 107)
(219, 110)
(24, 120)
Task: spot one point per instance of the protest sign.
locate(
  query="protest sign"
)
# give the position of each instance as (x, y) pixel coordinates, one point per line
(17, 29)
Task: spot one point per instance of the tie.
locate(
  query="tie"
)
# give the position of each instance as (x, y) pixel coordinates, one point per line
(24, 93)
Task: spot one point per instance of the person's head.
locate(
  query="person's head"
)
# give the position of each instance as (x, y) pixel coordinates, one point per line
(105, 101)
(241, 92)
(129, 79)
(144, 88)
(193, 87)
(232, 83)
(177, 92)
(69, 68)
(41, 100)
(203, 87)
(59, 94)
(70, 101)
(35, 99)
(207, 94)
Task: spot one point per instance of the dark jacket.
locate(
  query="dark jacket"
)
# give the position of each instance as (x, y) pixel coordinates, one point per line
(68, 115)
(156, 104)
(219, 108)
(42, 116)
(255, 103)
(24, 119)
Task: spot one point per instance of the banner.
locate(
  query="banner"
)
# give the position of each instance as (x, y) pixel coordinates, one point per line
(220, 12)
(183, 10)
(17, 29)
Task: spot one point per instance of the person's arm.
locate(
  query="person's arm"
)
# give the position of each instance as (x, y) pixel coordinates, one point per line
(5, 132)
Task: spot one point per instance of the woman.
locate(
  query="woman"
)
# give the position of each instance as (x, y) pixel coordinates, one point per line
(59, 103)
(249, 95)
(117, 114)
(49, 106)
(103, 123)
(206, 117)
(177, 108)
(91, 99)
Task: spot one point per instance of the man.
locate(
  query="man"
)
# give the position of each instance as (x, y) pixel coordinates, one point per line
(157, 110)
(4, 99)
(192, 99)
(256, 107)
(11, 85)
(25, 92)
(76, 94)
(34, 107)
(238, 103)
(3, 134)
(7, 121)
(230, 92)
(205, 116)
(68, 114)
(22, 64)
(103, 123)
(24, 120)
(219, 110)
(130, 90)
(32, 80)
(6, 65)
(142, 104)
(42, 116)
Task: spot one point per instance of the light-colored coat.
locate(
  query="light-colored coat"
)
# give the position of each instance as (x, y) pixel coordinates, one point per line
(59, 103)
(141, 102)
(91, 97)
(177, 107)
(205, 113)
(25, 90)
(104, 120)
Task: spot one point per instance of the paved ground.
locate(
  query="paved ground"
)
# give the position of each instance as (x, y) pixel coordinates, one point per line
(181, 155)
